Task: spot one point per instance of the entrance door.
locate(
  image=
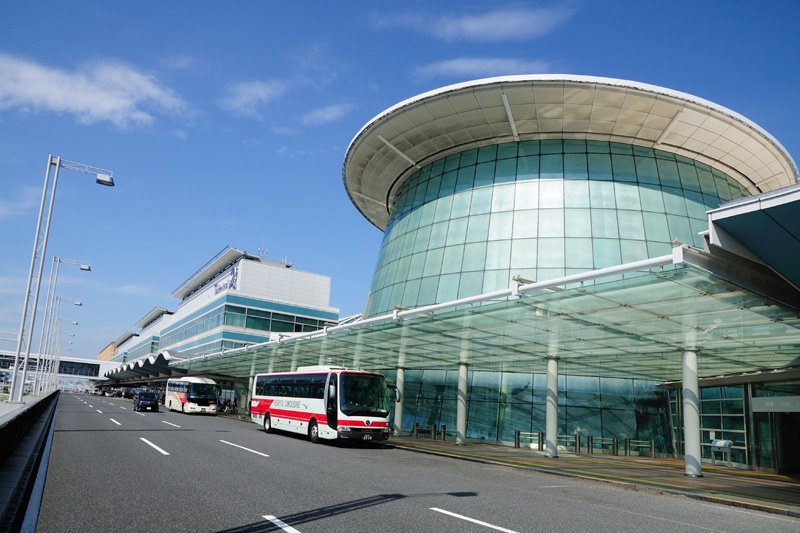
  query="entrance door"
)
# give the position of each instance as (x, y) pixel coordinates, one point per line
(788, 442)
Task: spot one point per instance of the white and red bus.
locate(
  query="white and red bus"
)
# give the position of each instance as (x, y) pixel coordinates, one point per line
(191, 395)
(323, 402)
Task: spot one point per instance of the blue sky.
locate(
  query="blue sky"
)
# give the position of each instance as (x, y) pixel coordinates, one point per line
(227, 122)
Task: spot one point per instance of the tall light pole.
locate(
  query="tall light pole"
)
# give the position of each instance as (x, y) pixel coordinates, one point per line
(48, 308)
(28, 320)
(52, 343)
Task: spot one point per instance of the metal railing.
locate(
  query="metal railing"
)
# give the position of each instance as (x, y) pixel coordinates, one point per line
(587, 444)
(519, 436)
(430, 430)
(603, 443)
(632, 445)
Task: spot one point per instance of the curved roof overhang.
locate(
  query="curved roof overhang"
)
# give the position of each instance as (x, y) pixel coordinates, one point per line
(151, 316)
(225, 258)
(417, 131)
(147, 367)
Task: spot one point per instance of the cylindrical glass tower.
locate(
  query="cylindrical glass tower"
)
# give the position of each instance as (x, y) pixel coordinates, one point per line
(468, 223)
(538, 177)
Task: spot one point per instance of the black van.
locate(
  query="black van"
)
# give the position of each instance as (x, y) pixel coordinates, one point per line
(145, 400)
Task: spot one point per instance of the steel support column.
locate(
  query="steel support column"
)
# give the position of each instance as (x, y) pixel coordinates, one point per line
(461, 405)
(398, 407)
(551, 409)
(691, 415)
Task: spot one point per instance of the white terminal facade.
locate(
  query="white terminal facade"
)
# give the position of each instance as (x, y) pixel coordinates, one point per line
(235, 300)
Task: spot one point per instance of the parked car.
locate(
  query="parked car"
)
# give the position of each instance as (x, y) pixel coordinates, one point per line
(145, 400)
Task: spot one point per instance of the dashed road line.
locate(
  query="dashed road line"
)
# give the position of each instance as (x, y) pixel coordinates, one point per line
(153, 446)
(473, 520)
(280, 523)
(243, 448)
(117, 423)
(171, 424)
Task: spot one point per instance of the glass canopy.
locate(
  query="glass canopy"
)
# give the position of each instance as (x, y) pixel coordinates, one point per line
(633, 325)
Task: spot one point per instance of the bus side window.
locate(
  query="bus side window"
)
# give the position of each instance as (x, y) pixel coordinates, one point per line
(301, 387)
(317, 386)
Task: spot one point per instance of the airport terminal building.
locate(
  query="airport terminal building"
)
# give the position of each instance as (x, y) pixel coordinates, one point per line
(577, 256)
(234, 300)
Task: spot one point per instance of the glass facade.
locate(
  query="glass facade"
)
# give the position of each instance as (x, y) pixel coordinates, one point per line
(234, 318)
(500, 403)
(468, 223)
(143, 349)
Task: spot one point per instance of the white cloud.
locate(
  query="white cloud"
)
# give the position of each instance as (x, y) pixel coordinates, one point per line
(326, 115)
(97, 92)
(179, 133)
(471, 67)
(292, 153)
(245, 98)
(28, 199)
(512, 24)
(184, 63)
(285, 131)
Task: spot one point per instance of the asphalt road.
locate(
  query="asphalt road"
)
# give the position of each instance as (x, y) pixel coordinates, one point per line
(115, 470)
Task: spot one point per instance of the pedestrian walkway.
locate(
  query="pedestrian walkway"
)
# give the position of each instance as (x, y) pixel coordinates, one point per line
(772, 493)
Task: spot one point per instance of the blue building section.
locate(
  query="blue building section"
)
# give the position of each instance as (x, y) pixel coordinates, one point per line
(233, 321)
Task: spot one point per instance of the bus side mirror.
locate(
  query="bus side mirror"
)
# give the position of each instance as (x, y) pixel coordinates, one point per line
(397, 395)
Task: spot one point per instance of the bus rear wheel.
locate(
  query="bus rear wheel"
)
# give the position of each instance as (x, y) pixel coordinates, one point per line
(267, 423)
(313, 432)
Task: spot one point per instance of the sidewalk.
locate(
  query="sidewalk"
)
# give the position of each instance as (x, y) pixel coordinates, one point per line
(773, 493)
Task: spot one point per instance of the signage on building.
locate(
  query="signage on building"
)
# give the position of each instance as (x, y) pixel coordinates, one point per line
(226, 283)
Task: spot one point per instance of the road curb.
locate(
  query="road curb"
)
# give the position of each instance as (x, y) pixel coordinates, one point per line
(626, 484)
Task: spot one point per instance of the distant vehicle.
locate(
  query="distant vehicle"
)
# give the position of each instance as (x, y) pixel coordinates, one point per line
(323, 403)
(191, 395)
(145, 400)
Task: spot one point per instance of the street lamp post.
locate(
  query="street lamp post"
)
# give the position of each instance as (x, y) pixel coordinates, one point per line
(52, 343)
(48, 309)
(28, 320)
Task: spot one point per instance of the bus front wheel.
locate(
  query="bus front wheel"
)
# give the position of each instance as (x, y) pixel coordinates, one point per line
(313, 432)
(267, 423)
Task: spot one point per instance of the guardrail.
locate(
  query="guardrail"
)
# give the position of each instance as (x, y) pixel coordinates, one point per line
(602, 443)
(519, 436)
(587, 443)
(637, 445)
(23, 435)
(431, 431)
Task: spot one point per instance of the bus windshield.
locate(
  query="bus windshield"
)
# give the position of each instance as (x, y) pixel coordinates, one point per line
(363, 395)
(205, 391)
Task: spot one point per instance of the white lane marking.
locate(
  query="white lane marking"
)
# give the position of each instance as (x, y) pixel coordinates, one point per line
(468, 519)
(99, 411)
(153, 445)
(171, 424)
(122, 407)
(140, 414)
(92, 406)
(280, 523)
(117, 423)
(243, 448)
